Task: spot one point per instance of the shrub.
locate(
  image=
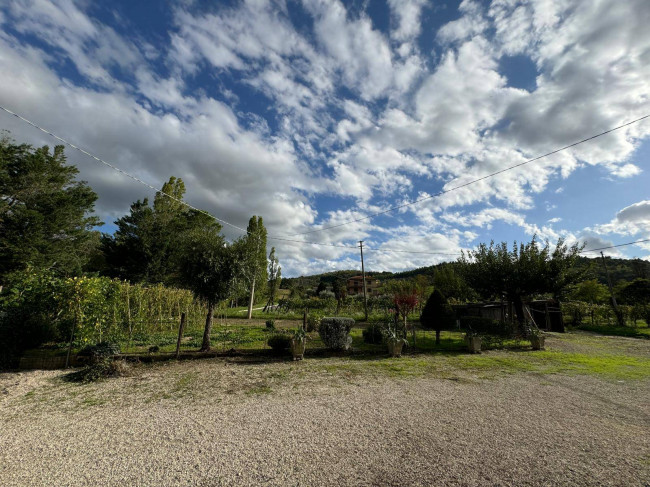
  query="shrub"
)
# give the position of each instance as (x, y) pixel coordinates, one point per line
(437, 314)
(106, 367)
(279, 343)
(270, 324)
(313, 321)
(100, 351)
(373, 333)
(335, 332)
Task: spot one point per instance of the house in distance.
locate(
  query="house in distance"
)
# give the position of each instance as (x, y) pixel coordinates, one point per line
(355, 286)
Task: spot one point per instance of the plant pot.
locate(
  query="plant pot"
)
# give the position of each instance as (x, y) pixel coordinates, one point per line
(297, 349)
(395, 347)
(474, 344)
(537, 342)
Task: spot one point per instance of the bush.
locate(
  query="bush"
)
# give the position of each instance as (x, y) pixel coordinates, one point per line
(98, 352)
(313, 322)
(279, 343)
(335, 332)
(270, 324)
(373, 334)
(106, 367)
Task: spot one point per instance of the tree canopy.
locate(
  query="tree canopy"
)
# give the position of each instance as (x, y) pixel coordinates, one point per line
(147, 242)
(45, 212)
(252, 255)
(525, 270)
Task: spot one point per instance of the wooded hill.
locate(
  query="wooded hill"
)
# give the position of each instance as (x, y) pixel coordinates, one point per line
(619, 269)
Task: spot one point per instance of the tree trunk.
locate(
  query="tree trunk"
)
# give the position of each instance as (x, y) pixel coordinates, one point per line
(205, 347)
(519, 309)
(437, 337)
(250, 304)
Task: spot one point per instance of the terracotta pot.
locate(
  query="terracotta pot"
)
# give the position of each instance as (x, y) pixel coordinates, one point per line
(395, 347)
(473, 344)
(537, 342)
(297, 349)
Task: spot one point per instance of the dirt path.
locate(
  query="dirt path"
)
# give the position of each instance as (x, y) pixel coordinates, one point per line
(216, 423)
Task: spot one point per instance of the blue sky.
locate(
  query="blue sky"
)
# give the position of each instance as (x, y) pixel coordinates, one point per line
(314, 113)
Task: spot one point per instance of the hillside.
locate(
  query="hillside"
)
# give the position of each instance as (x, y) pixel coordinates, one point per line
(619, 269)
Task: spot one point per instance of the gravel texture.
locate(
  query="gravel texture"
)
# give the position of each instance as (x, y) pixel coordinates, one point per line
(219, 423)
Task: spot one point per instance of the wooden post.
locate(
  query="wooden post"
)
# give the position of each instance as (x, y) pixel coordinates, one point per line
(181, 328)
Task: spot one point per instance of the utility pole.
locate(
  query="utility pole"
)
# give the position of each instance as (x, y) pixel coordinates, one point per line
(619, 318)
(363, 275)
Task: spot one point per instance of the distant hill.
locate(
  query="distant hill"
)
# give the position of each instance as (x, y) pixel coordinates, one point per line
(619, 269)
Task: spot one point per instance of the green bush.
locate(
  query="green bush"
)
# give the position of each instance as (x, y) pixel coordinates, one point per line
(102, 350)
(270, 324)
(335, 332)
(279, 343)
(373, 333)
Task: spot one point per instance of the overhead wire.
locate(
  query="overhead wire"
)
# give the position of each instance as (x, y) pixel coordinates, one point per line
(282, 238)
(440, 193)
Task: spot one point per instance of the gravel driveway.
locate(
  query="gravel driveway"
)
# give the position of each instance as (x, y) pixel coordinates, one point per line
(217, 423)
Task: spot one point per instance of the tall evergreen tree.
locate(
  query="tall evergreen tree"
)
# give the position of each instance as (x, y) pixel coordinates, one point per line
(44, 211)
(275, 278)
(145, 247)
(252, 255)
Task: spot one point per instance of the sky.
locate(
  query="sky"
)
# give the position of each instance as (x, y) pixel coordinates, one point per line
(316, 113)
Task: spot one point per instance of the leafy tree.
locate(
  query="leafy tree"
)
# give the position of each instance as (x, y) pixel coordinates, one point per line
(207, 267)
(339, 287)
(635, 292)
(450, 283)
(523, 271)
(44, 211)
(437, 314)
(275, 278)
(405, 299)
(590, 291)
(146, 244)
(252, 254)
(321, 287)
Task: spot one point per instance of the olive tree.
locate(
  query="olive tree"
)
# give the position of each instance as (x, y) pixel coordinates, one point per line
(207, 267)
(525, 270)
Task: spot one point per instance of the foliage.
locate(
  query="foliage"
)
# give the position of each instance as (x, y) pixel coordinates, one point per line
(523, 271)
(334, 332)
(437, 314)
(100, 351)
(270, 324)
(43, 211)
(148, 241)
(313, 322)
(279, 342)
(635, 292)
(590, 291)
(275, 278)
(299, 334)
(251, 254)
(450, 283)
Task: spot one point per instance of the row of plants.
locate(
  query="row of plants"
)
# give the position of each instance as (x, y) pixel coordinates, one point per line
(579, 313)
(40, 307)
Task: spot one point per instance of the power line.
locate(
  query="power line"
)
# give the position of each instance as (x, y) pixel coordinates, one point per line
(614, 246)
(393, 208)
(121, 171)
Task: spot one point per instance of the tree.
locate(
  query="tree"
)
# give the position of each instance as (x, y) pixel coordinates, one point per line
(405, 299)
(437, 314)
(339, 287)
(590, 291)
(207, 267)
(44, 211)
(146, 243)
(252, 254)
(275, 278)
(635, 292)
(321, 287)
(525, 270)
(450, 283)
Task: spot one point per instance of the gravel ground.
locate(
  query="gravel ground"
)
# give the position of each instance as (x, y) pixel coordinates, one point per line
(217, 423)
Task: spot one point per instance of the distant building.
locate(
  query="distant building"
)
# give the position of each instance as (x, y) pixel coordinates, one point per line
(355, 286)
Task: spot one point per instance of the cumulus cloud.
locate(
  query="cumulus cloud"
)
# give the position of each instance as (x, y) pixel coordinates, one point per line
(340, 109)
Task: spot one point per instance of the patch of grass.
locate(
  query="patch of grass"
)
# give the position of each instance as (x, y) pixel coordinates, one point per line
(615, 330)
(259, 389)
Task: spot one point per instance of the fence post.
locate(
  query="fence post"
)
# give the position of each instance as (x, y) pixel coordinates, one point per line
(181, 328)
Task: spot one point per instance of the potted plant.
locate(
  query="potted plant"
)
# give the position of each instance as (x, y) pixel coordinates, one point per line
(473, 341)
(298, 342)
(536, 338)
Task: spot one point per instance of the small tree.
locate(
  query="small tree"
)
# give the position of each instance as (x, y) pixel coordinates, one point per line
(208, 267)
(340, 291)
(275, 277)
(252, 255)
(437, 314)
(405, 299)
